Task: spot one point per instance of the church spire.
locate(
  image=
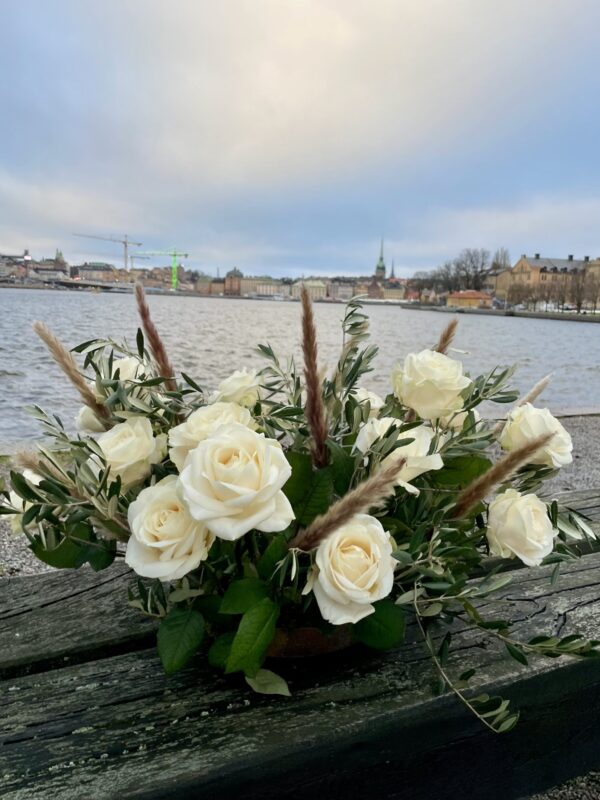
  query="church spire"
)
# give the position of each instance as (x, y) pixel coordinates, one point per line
(380, 268)
(392, 275)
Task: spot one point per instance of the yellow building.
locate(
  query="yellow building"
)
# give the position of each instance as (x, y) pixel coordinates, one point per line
(394, 291)
(469, 299)
(536, 279)
(317, 290)
(497, 282)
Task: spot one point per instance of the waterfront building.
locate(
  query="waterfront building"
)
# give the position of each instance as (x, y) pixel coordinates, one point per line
(49, 269)
(233, 283)
(497, 282)
(469, 298)
(555, 281)
(317, 289)
(95, 271)
(375, 290)
(272, 288)
(342, 289)
(14, 266)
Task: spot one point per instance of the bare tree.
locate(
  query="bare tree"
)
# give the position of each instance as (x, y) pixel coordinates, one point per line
(561, 291)
(501, 259)
(546, 293)
(592, 290)
(471, 266)
(517, 293)
(577, 288)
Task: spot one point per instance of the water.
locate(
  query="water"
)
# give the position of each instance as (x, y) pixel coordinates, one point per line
(209, 338)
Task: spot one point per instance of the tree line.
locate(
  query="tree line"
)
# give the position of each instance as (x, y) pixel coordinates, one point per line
(466, 271)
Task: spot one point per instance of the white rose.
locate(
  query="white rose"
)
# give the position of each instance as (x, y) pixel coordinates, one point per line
(376, 403)
(354, 569)
(201, 424)
(416, 453)
(526, 423)
(430, 383)
(130, 448)
(232, 481)
(241, 387)
(165, 542)
(87, 422)
(18, 503)
(456, 422)
(518, 525)
(374, 429)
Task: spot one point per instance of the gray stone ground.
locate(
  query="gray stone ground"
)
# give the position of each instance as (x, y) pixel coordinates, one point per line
(583, 473)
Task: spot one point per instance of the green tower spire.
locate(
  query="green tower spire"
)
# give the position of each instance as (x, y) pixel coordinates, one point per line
(380, 268)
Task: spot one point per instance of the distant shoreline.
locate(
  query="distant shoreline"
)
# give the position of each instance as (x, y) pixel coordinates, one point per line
(490, 312)
(493, 312)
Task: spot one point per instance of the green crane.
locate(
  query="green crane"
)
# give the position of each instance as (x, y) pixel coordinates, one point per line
(175, 254)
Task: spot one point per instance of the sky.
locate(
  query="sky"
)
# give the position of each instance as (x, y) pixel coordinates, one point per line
(287, 137)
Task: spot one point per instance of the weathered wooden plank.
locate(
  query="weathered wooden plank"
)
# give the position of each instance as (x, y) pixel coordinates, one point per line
(586, 501)
(52, 618)
(358, 724)
(108, 723)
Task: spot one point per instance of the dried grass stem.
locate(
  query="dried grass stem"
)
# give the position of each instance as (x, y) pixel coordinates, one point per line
(315, 408)
(368, 494)
(66, 362)
(447, 337)
(155, 343)
(499, 473)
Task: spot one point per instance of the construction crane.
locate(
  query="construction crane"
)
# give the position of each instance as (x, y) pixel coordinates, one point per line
(124, 241)
(136, 257)
(175, 254)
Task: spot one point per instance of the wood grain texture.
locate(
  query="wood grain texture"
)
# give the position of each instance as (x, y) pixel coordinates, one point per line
(358, 724)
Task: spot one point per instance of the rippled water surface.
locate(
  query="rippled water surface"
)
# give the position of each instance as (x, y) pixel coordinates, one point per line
(209, 338)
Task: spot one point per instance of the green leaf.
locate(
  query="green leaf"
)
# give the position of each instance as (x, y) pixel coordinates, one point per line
(179, 636)
(275, 551)
(431, 610)
(253, 636)
(297, 485)
(22, 488)
(343, 467)
(30, 515)
(267, 682)
(191, 383)
(462, 470)
(318, 497)
(209, 605)
(242, 595)
(384, 628)
(65, 555)
(139, 339)
(100, 558)
(220, 649)
(516, 653)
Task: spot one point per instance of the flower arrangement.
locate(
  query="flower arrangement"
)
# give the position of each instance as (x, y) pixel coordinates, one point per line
(293, 513)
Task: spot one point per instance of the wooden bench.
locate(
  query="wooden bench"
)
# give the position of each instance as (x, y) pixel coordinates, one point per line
(88, 713)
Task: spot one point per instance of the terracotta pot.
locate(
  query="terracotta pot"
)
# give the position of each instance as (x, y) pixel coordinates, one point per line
(306, 642)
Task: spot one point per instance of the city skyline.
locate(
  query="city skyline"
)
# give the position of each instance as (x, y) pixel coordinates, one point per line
(288, 141)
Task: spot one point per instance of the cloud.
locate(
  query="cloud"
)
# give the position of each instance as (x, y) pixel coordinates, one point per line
(291, 136)
(552, 225)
